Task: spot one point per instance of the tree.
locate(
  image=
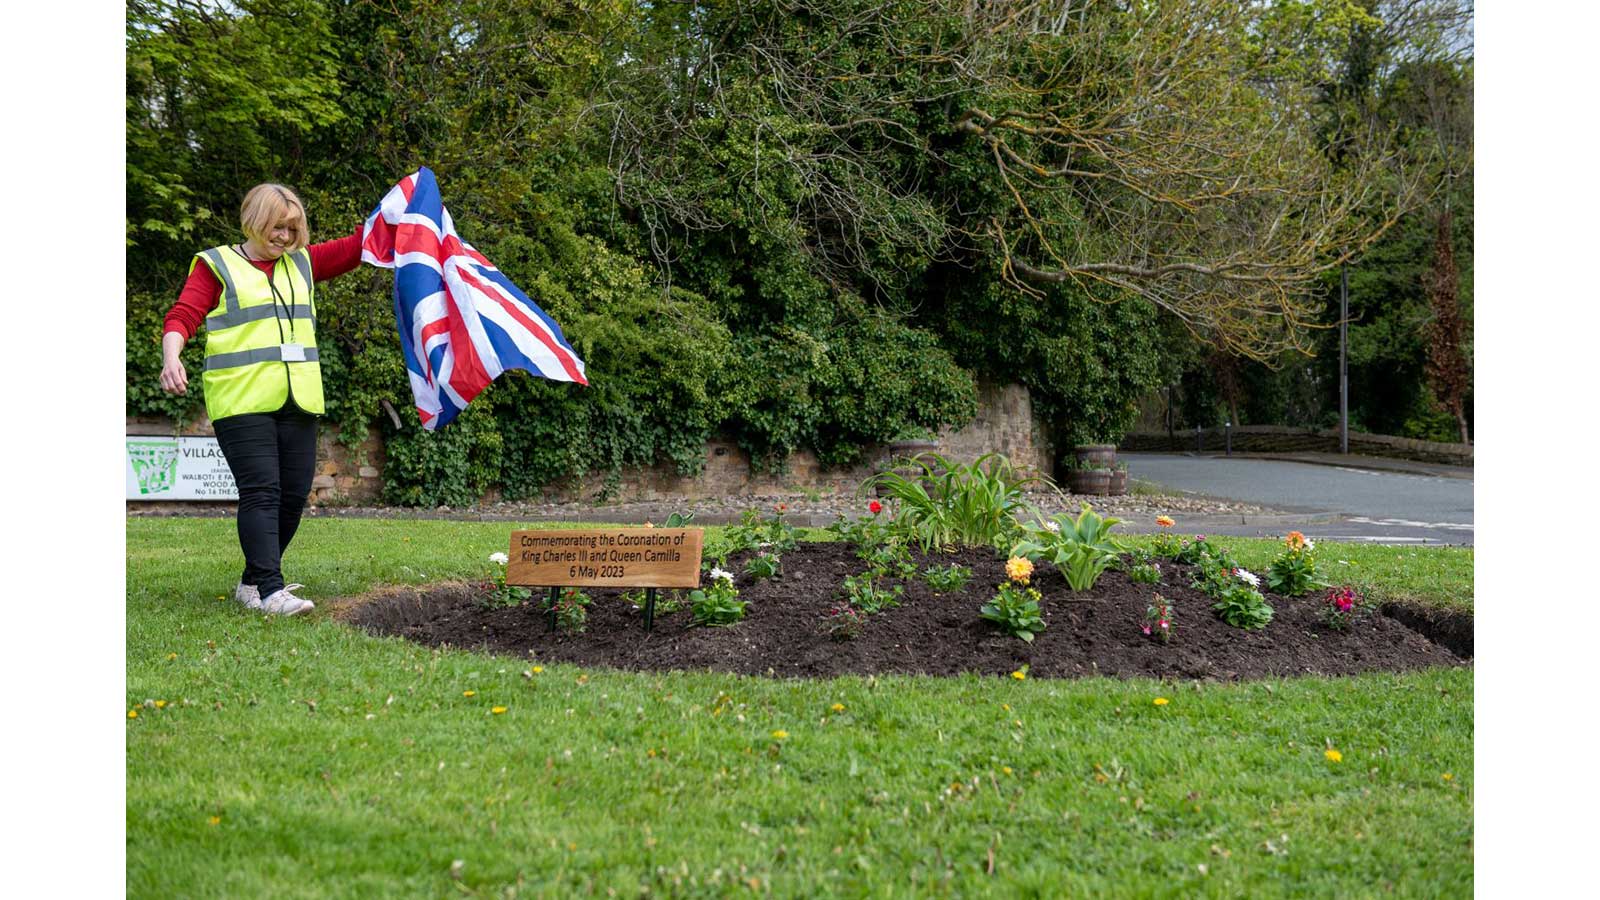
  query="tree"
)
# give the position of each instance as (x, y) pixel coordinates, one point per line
(1448, 369)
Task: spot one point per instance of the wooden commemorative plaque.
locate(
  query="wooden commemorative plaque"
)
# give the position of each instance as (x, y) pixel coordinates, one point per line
(606, 558)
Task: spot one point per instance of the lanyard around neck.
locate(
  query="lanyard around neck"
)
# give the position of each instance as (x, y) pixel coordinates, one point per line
(277, 296)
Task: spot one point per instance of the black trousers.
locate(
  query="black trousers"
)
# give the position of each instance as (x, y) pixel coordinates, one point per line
(273, 457)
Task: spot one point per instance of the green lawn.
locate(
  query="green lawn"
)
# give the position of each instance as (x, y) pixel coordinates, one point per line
(300, 758)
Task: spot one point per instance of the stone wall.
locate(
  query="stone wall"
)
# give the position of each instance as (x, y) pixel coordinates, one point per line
(1004, 425)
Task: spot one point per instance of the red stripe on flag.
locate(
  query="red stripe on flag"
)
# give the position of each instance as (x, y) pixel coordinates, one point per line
(469, 376)
(409, 237)
(537, 329)
(380, 240)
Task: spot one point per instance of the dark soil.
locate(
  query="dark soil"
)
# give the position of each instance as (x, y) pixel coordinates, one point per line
(1096, 632)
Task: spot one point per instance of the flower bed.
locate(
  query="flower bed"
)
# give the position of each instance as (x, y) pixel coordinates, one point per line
(1099, 631)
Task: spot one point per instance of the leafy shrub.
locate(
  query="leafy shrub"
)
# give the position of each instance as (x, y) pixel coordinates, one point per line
(1016, 610)
(753, 532)
(1079, 548)
(946, 505)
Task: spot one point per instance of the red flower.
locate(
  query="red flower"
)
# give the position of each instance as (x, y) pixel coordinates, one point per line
(875, 506)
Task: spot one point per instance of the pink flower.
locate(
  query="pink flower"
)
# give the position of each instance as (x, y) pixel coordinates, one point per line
(1145, 629)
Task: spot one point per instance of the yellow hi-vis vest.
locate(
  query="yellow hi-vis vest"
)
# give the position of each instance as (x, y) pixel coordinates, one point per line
(261, 345)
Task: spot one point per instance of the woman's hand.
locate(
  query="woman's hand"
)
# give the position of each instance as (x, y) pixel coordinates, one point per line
(174, 378)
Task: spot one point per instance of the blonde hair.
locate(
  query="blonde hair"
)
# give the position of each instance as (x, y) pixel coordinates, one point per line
(266, 205)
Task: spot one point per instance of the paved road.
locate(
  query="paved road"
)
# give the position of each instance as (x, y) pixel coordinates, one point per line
(1338, 502)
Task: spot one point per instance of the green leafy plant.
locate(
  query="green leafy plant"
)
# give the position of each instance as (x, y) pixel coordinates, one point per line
(1016, 610)
(866, 593)
(1340, 608)
(763, 565)
(1242, 606)
(946, 579)
(1190, 552)
(1159, 621)
(892, 557)
(500, 594)
(1145, 573)
(753, 532)
(1080, 548)
(1294, 571)
(843, 623)
(717, 604)
(572, 610)
(949, 505)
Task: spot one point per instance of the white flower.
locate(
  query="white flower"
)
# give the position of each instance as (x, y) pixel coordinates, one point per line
(1248, 577)
(1052, 527)
(499, 558)
(722, 574)
(1310, 544)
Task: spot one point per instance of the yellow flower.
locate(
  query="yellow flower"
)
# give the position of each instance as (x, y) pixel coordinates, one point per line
(161, 704)
(1005, 770)
(780, 734)
(1165, 521)
(538, 669)
(1333, 755)
(1018, 569)
(133, 714)
(214, 820)
(837, 707)
(498, 710)
(1447, 776)
(1019, 675)
(1160, 701)
(469, 693)
(1006, 707)
(171, 657)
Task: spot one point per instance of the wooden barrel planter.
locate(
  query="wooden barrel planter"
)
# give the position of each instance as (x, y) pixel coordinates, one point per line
(1089, 455)
(1119, 482)
(1089, 481)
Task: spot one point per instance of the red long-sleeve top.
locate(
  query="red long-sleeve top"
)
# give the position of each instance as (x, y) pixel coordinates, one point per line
(202, 291)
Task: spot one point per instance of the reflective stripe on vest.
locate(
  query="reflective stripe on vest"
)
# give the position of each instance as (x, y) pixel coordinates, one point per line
(246, 369)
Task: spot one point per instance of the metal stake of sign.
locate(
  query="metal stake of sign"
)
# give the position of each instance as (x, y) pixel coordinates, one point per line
(1344, 375)
(649, 608)
(1197, 447)
(555, 594)
(1227, 432)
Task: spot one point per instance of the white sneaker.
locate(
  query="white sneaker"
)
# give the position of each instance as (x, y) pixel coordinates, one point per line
(283, 603)
(249, 595)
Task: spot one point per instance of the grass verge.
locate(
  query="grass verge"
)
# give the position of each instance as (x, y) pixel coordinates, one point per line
(301, 758)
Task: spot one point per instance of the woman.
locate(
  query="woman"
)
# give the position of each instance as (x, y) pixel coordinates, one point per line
(263, 384)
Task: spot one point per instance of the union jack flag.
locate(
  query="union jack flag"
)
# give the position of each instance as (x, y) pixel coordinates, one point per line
(461, 321)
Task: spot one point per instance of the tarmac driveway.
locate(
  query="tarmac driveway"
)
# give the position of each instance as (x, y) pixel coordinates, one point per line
(1351, 500)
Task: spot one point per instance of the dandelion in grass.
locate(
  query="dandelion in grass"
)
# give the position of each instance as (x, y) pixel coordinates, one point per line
(133, 714)
(214, 820)
(1019, 675)
(1447, 776)
(469, 693)
(780, 734)
(1160, 701)
(498, 710)
(171, 657)
(538, 669)
(1333, 755)
(161, 704)
(837, 707)
(1005, 770)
